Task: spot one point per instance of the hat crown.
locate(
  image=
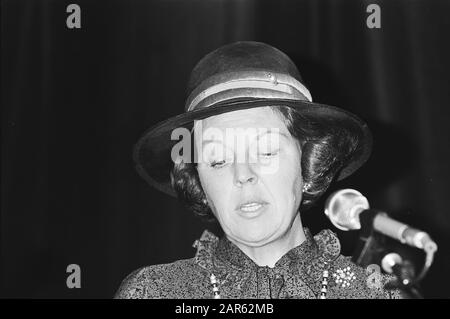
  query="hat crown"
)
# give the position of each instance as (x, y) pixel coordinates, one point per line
(243, 55)
(224, 63)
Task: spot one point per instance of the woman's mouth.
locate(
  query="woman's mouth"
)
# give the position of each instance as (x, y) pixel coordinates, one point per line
(252, 208)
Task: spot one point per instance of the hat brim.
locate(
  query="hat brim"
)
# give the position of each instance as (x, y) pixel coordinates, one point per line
(152, 152)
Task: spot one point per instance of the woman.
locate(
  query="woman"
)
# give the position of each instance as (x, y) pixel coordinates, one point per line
(262, 154)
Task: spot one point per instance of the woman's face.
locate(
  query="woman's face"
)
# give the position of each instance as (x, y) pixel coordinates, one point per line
(250, 172)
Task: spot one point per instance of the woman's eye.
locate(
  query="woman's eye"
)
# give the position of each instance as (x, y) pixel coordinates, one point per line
(269, 154)
(218, 164)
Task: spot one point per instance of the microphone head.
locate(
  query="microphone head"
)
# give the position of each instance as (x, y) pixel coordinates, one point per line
(389, 261)
(343, 208)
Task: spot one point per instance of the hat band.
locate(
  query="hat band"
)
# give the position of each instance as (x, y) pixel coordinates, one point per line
(255, 84)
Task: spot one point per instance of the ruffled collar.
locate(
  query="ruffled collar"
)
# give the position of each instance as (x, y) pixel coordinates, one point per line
(309, 258)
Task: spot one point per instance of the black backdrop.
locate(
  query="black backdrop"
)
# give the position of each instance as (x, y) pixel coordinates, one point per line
(74, 101)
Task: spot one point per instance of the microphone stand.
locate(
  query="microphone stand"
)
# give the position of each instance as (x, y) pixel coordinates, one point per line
(371, 250)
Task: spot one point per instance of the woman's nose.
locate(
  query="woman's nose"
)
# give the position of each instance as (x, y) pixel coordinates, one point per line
(243, 174)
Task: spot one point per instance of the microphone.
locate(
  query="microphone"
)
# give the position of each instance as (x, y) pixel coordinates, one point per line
(343, 208)
(392, 263)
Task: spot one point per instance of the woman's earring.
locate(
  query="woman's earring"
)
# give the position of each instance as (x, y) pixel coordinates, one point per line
(205, 201)
(306, 186)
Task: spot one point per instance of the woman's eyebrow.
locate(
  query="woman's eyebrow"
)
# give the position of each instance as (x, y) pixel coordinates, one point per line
(257, 137)
(270, 131)
(208, 141)
(260, 135)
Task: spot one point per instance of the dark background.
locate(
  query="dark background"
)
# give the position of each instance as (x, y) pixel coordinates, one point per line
(74, 101)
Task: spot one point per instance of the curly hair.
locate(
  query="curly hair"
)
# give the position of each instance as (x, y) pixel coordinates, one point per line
(325, 150)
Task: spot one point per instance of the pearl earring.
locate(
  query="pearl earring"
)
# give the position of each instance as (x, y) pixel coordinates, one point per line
(306, 186)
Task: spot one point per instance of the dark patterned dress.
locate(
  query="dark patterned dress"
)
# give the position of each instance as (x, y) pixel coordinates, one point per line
(298, 274)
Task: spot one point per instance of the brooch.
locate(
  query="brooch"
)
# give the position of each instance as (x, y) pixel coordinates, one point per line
(344, 277)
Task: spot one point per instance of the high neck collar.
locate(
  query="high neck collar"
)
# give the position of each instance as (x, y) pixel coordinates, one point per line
(229, 252)
(311, 256)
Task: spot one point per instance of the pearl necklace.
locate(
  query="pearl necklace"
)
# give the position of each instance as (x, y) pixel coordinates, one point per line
(323, 290)
(215, 286)
(322, 295)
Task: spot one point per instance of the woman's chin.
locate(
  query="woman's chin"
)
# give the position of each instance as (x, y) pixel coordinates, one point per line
(255, 237)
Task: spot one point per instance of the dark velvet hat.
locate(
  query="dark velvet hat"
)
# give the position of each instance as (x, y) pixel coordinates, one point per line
(238, 76)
